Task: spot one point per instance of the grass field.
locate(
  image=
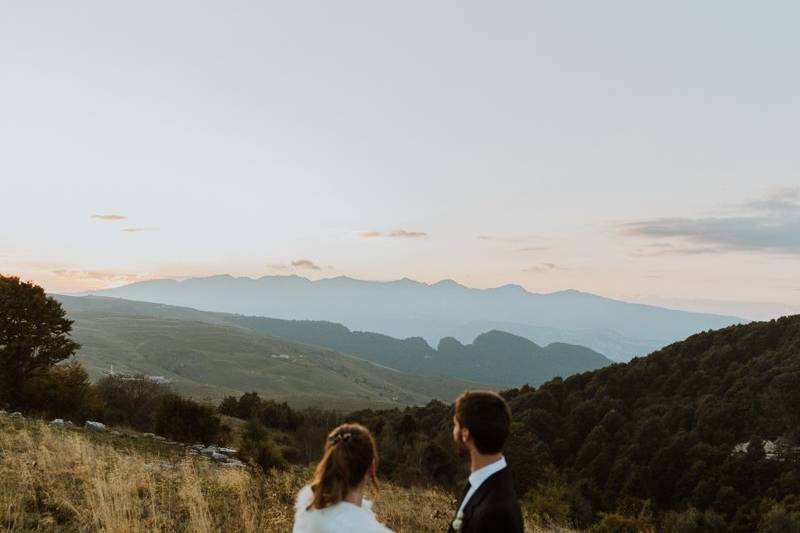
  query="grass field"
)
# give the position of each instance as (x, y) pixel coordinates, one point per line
(209, 362)
(66, 480)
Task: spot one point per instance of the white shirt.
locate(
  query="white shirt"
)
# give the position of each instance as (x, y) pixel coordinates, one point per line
(480, 475)
(343, 517)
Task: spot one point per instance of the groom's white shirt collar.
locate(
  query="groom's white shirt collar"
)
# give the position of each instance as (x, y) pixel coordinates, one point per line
(477, 478)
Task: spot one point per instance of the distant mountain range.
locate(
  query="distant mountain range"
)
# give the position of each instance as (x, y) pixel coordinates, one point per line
(408, 308)
(107, 329)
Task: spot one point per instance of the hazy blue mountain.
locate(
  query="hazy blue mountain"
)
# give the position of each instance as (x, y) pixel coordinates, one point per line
(605, 341)
(407, 308)
(495, 357)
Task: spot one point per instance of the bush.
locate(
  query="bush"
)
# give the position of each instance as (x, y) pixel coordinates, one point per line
(246, 407)
(229, 406)
(188, 421)
(279, 415)
(779, 520)
(63, 391)
(130, 401)
(270, 413)
(616, 523)
(550, 503)
(259, 448)
(693, 521)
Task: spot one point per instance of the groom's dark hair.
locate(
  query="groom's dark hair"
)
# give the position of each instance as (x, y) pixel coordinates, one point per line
(487, 417)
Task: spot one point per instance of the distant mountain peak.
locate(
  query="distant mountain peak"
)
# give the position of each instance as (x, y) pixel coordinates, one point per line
(448, 283)
(497, 339)
(449, 343)
(512, 287)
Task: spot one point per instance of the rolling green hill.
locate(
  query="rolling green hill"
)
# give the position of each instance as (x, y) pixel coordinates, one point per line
(211, 361)
(494, 357)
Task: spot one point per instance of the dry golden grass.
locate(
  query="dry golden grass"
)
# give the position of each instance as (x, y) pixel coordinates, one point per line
(65, 480)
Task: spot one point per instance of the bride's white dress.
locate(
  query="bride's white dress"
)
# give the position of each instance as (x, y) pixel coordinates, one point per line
(344, 517)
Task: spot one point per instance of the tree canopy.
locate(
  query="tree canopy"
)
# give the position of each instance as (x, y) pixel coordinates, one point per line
(34, 336)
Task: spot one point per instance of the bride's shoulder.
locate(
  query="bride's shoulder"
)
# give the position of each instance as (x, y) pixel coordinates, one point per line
(363, 519)
(340, 517)
(303, 499)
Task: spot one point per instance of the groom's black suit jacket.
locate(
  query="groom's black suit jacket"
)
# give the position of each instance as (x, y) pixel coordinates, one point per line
(493, 508)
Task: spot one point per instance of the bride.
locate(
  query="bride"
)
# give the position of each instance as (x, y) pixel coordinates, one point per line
(334, 501)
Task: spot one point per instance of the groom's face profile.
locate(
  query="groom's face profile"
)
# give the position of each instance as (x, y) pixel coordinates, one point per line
(460, 437)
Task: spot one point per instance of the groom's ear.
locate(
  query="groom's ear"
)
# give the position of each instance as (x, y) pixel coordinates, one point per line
(465, 436)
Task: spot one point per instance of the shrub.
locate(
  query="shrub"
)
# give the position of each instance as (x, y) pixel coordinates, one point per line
(229, 406)
(258, 447)
(63, 391)
(187, 420)
(279, 415)
(693, 521)
(616, 523)
(550, 503)
(130, 401)
(779, 520)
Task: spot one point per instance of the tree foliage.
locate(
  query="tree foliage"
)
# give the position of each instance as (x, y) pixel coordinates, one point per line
(34, 336)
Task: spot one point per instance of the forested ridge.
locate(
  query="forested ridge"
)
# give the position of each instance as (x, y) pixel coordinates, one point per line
(653, 440)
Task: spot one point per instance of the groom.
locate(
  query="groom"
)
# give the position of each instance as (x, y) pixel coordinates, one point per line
(489, 503)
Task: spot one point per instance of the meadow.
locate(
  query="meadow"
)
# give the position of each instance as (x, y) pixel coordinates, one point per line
(67, 480)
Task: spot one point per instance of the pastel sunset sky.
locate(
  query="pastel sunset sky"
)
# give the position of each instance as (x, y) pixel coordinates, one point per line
(638, 150)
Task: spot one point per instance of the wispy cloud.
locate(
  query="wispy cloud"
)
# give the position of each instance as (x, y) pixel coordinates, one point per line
(394, 234)
(97, 275)
(305, 264)
(770, 224)
(109, 217)
(544, 267)
(530, 240)
(495, 238)
(138, 230)
(664, 248)
(781, 199)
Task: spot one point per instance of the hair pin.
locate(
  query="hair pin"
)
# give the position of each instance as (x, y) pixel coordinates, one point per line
(339, 437)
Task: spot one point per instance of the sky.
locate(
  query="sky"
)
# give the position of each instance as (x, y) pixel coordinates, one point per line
(638, 150)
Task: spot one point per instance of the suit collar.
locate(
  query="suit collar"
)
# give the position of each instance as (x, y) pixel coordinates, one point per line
(477, 478)
(483, 491)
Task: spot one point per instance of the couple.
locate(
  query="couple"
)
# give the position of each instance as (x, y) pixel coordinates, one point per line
(334, 501)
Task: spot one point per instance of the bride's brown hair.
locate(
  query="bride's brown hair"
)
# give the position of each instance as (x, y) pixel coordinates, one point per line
(350, 451)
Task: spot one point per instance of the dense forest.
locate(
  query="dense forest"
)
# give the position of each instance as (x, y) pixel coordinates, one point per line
(702, 432)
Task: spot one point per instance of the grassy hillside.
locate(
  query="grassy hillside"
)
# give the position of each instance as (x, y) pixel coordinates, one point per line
(211, 361)
(495, 357)
(65, 481)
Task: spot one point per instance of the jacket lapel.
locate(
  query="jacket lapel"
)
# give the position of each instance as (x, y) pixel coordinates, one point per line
(484, 490)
